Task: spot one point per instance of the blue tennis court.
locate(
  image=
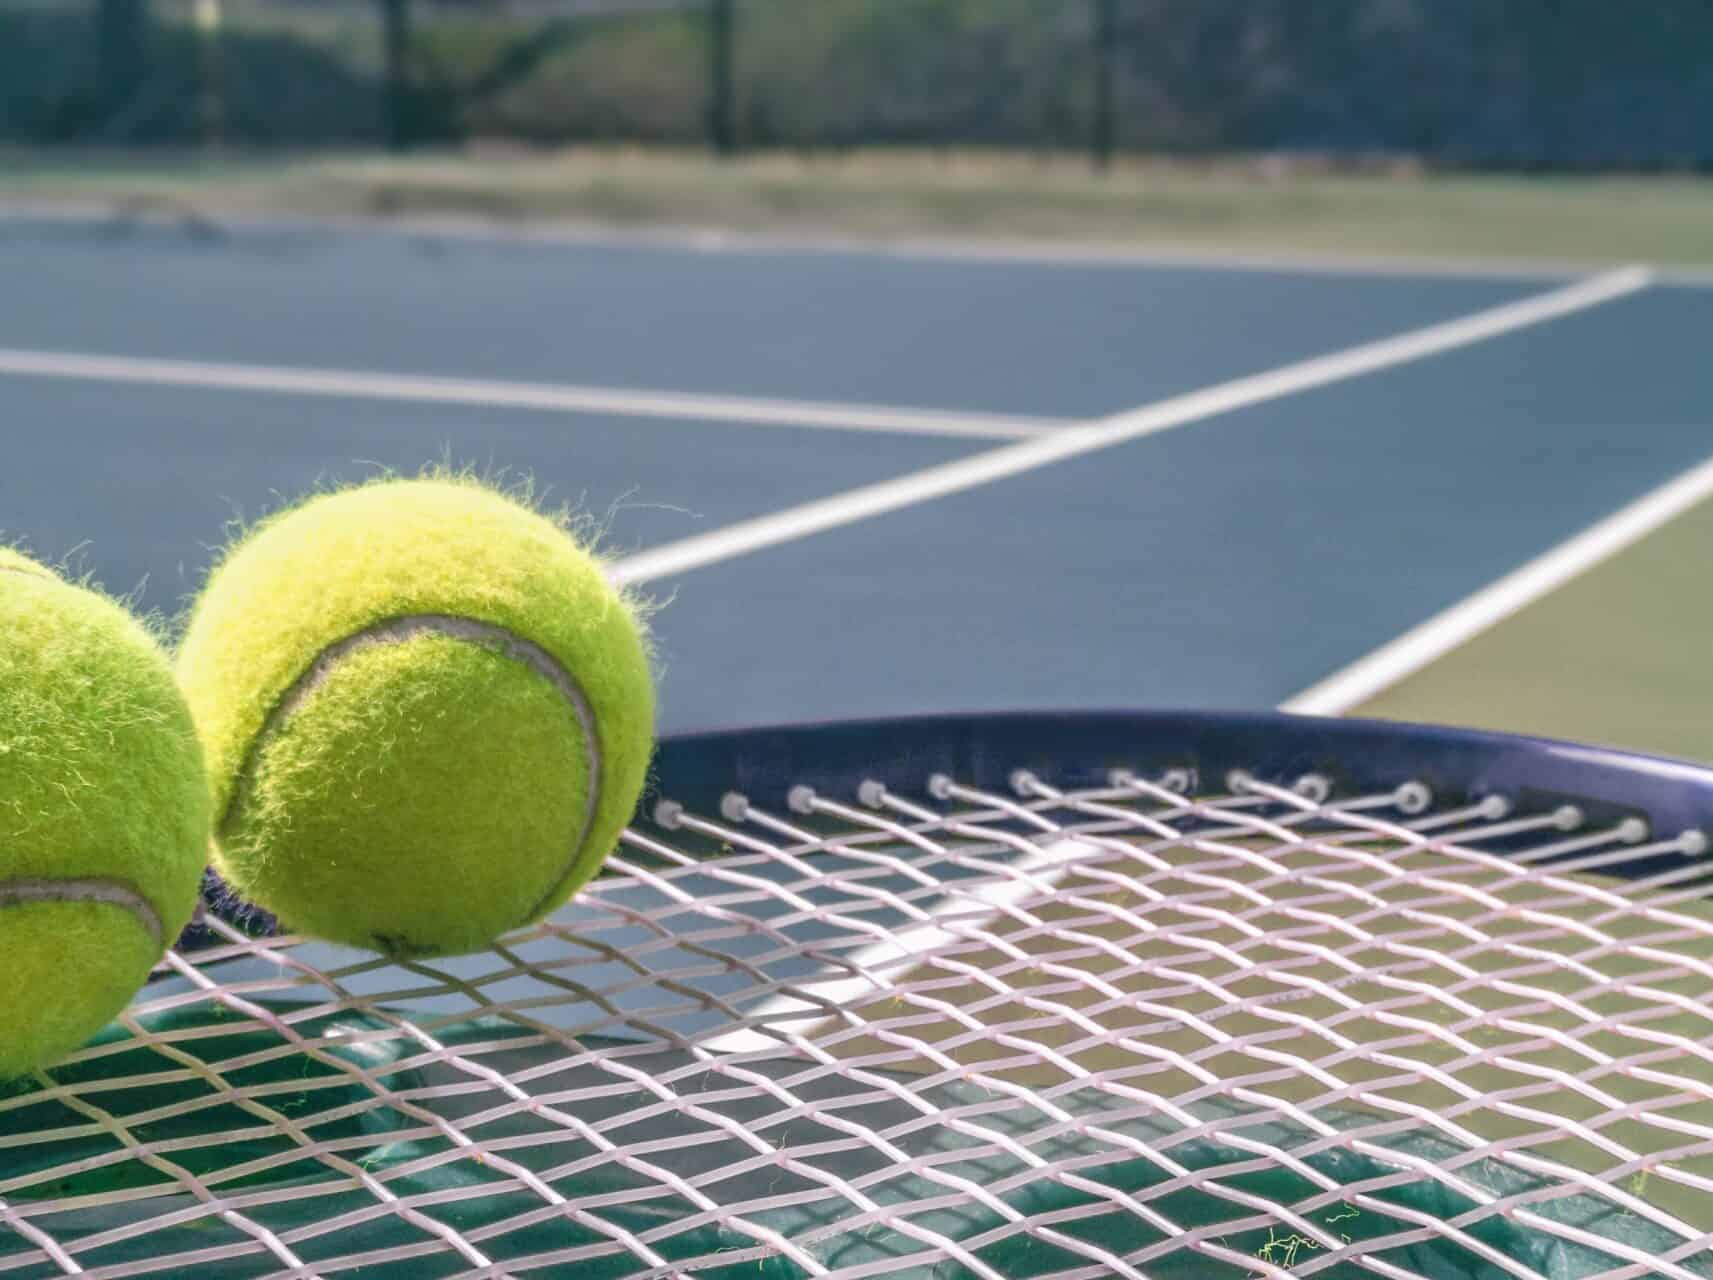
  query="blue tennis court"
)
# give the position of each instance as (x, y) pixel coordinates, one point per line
(855, 480)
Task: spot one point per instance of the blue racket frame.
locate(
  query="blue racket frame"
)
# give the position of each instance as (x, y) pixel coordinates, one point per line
(1080, 749)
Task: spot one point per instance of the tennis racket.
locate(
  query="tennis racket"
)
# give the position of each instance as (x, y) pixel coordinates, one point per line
(1015, 996)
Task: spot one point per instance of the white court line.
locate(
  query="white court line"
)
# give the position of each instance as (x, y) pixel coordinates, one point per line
(1445, 631)
(553, 397)
(998, 464)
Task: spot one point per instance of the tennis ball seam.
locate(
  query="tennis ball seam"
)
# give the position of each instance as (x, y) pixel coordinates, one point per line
(406, 627)
(116, 893)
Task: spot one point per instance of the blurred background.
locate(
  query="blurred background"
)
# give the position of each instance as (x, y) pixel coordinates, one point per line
(1230, 120)
(861, 240)
(1491, 84)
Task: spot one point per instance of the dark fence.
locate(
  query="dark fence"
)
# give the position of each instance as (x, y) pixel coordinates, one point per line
(1525, 84)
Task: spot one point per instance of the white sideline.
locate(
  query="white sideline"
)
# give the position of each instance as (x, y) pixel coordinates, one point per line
(1452, 627)
(489, 394)
(998, 464)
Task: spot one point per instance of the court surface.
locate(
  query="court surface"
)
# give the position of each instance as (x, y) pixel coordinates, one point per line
(878, 483)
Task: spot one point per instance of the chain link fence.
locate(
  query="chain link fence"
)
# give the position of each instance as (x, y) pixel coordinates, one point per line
(1564, 84)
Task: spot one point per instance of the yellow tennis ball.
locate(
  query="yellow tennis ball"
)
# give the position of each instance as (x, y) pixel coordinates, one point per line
(104, 813)
(427, 714)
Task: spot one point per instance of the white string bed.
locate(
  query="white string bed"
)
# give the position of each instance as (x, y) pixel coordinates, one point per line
(1149, 1030)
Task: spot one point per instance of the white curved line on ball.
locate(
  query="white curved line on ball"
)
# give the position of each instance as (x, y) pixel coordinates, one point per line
(490, 636)
(113, 893)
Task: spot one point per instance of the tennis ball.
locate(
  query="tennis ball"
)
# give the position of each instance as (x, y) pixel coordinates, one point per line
(104, 812)
(427, 714)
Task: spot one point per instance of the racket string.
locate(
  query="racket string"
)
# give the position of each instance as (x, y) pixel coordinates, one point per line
(1131, 1029)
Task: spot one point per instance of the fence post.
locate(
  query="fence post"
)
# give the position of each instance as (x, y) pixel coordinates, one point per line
(1105, 50)
(395, 17)
(211, 106)
(722, 112)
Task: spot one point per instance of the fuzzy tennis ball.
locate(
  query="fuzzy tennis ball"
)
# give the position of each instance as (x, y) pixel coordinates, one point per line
(427, 714)
(104, 813)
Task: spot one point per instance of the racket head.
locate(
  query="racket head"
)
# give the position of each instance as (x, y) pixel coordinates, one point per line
(1034, 994)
